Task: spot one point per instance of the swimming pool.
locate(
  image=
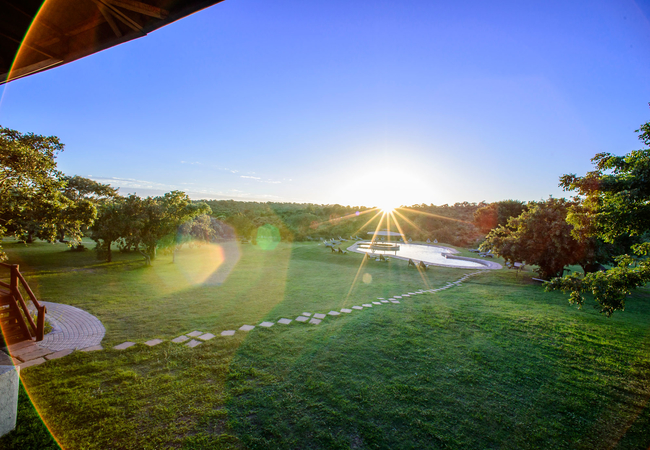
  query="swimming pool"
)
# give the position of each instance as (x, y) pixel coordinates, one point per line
(430, 254)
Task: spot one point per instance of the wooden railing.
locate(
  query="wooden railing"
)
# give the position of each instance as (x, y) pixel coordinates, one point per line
(17, 280)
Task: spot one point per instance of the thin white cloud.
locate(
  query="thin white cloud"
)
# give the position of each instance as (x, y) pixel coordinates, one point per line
(150, 188)
(248, 176)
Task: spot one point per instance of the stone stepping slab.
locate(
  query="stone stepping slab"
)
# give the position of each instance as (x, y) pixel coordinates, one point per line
(246, 327)
(59, 354)
(31, 362)
(302, 319)
(28, 356)
(314, 321)
(384, 301)
(284, 321)
(92, 348)
(180, 339)
(193, 343)
(206, 336)
(267, 324)
(319, 316)
(357, 307)
(124, 345)
(346, 310)
(333, 313)
(153, 342)
(376, 303)
(394, 301)
(228, 333)
(367, 305)
(195, 333)
(306, 314)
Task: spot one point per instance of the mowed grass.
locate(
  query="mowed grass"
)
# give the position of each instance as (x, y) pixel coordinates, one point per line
(495, 363)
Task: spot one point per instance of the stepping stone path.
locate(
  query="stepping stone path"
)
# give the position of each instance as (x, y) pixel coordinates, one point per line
(74, 329)
(59, 354)
(124, 345)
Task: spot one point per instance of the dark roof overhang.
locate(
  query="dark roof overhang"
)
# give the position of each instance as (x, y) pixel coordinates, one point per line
(38, 35)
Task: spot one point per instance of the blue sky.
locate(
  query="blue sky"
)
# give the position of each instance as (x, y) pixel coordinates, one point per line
(352, 102)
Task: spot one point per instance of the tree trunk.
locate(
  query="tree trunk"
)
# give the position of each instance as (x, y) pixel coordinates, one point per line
(30, 237)
(147, 258)
(109, 253)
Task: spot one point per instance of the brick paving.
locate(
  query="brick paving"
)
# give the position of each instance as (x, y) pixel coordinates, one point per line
(72, 328)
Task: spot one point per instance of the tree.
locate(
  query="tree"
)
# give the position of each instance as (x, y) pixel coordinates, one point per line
(615, 205)
(497, 214)
(145, 224)
(159, 217)
(29, 184)
(541, 236)
(109, 227)
(84, 196)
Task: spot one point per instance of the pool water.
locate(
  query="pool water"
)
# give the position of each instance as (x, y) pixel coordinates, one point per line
(429, 254)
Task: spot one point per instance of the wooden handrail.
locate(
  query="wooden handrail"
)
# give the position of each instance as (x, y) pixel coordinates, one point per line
(28, 289)
(30, 321)
(3, 284)
(38, 329)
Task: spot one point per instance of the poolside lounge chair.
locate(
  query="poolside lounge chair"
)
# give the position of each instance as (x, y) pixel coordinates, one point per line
(411, 263)
(341, 239)
(422, 265)
(342, 251)
(332, 248)
(428, 241)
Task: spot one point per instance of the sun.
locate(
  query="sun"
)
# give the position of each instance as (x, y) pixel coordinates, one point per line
(387, 206)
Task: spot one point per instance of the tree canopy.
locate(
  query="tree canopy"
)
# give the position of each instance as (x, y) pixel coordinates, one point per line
(614, 205)
(540, 236)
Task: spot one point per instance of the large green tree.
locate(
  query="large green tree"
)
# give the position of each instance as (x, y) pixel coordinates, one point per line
(542, 237)
(615, 205)
(145, 224)
(30, 184)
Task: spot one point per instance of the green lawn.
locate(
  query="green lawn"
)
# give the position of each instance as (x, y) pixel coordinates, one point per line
(495, 363)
